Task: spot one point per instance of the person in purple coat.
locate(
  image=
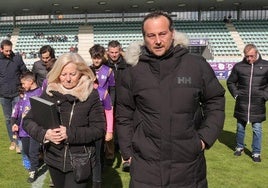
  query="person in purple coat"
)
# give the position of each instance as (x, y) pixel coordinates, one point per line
(30, 147)
(105, 78)
(104, 82)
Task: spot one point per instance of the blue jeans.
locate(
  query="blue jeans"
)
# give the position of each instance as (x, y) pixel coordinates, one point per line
(7, 106)
(32, 149)
(257, 136)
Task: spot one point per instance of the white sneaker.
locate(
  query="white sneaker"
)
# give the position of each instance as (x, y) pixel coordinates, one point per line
(32, 177)
(12, 146)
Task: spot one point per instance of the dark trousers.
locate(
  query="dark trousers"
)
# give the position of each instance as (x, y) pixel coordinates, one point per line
(96, 171)
(65, 179)
(32, 149)
(109, 149)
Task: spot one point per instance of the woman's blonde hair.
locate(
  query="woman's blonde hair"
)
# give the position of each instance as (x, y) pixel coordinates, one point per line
(65, 59)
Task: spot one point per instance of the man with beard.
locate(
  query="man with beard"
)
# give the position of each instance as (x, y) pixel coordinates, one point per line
(11, 68)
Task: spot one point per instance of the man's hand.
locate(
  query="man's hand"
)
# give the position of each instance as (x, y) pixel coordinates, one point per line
(203, 145)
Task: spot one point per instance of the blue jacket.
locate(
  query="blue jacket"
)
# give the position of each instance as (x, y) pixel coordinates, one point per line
(10, 71)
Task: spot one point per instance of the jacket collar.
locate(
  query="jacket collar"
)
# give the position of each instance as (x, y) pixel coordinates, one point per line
(136, 49)
(81, 91)
(256, 62)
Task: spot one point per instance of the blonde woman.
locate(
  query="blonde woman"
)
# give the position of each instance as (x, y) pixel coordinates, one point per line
(70, 87)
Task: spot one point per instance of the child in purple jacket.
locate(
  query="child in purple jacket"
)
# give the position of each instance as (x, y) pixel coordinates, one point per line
(105, 84)
(15, 121)
(30, 147)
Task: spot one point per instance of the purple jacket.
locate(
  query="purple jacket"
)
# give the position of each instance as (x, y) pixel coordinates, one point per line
(105, 76)
(105, 98)
(22, 107)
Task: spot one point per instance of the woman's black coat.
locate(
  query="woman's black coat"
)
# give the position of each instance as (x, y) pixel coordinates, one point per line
(87, 125)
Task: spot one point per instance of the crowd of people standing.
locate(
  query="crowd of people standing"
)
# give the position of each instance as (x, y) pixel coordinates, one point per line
(147, 103)
(37, 79)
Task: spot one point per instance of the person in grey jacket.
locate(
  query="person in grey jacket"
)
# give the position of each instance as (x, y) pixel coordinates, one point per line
(39, 68)
(170, 108)
(11, 68)
(248, 84)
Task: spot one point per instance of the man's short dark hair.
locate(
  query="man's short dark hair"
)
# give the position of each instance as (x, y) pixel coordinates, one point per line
(28, 75)
(47, 48)
(157, 14)
(114, 43)
(97, 51)
(6, 43)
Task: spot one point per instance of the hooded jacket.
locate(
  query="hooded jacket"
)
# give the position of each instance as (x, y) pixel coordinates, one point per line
(84, 126)
(248, 84)
(10, 72)
(159, 119)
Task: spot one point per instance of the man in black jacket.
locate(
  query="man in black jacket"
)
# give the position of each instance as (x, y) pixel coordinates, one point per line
(117, 62)
(248, 84)
(161, 129)
(11, 67)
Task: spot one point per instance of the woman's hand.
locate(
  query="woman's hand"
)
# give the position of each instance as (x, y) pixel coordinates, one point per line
(108, 137)
(203, 145)
(56, 135)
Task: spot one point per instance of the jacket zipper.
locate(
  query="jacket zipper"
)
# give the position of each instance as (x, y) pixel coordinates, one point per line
(65, 155)
(67, 145)
(249, 91)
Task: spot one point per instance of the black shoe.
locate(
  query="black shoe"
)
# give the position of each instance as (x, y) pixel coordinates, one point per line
(256, 158)
(238, 151)
(126, 167)
(32, 176)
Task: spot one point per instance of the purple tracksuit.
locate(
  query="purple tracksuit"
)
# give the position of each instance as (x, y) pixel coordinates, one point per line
(22, 107)
(105, 76)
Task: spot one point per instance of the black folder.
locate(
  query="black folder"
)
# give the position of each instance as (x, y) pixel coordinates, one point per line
(45, 113)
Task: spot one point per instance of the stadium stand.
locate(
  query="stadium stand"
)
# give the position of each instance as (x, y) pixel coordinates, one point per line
(126, 32)
(224, 41)
(5, 31)
(220, 40)
(254, 32)
(59, 36)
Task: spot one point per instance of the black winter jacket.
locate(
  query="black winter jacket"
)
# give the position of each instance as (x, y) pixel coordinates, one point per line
(87, 125)
(248, 84)
(118, 67)
(10, 72)
(158, 118)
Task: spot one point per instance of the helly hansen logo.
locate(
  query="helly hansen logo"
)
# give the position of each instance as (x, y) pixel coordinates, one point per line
(184, 80)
